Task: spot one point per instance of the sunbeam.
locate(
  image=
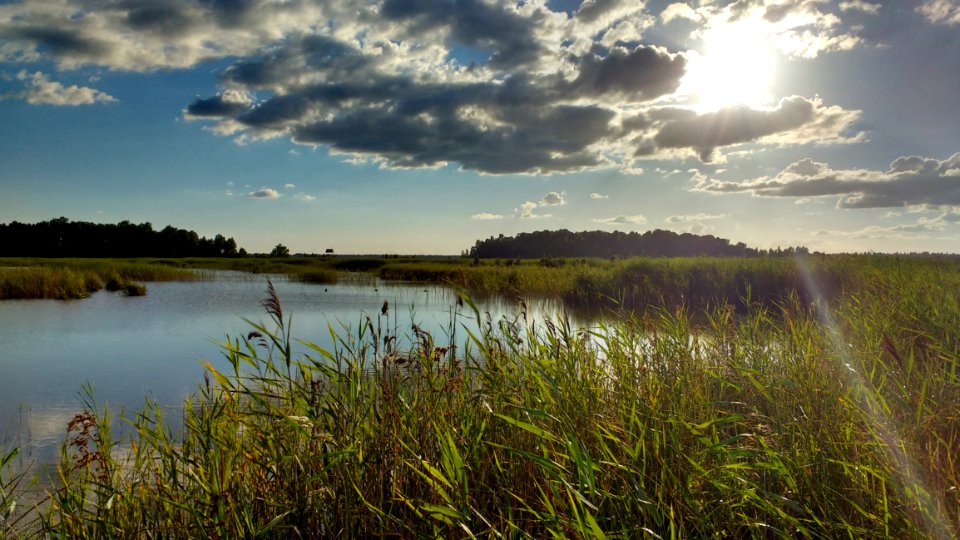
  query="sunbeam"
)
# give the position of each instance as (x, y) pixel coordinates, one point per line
(913, 485)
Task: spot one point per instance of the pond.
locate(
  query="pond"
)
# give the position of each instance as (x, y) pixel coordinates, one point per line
(128, 348)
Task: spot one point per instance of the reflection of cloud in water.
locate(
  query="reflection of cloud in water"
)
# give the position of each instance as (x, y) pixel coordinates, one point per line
(38, 431)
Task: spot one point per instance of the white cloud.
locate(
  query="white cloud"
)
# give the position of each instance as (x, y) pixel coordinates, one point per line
(690, 218)
(636, 219)
(486, 216)
(876, 232)
(798, 28)
(553, 199)
(264, 193)
(42, 91)
(305, 197)
(678, 10)
(289, 186)
(526, 211)
(598, 196)
(941, 11)
(861, 5)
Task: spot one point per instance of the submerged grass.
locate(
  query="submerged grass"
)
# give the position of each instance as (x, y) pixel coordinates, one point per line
(803, 419)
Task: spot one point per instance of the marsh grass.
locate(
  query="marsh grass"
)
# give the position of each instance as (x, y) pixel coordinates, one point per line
(631, 285)
(696, 283)
(14, 482)
(66, 279)
(800, 419)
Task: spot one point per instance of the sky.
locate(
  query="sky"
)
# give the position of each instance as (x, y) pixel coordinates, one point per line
(421, 126)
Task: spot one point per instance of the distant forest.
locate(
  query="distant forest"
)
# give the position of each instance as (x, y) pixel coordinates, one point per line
(563, 243)
(64, 238)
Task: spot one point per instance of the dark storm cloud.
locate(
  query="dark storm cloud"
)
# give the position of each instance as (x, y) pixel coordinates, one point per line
(552, 139)
(168, 19)
(309, 54)
(231, 13)
(474, 23)
(217, 106)
(641, 74)
(143, 35)
(796, 120)
(62, 42)
(910, 181)
(734, 125)
(524, 123)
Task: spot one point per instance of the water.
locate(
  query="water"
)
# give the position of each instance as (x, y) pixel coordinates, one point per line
(128, 348)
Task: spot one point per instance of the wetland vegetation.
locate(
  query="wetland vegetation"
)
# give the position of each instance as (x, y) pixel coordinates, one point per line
(768, 397)
(65, 279)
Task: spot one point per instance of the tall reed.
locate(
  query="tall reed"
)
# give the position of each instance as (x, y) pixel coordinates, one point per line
(76, 278)
(807, 419)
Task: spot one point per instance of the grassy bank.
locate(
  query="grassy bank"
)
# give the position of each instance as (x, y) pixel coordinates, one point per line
(695, 283)
(65, 279)
(632, 284)
(790, 421)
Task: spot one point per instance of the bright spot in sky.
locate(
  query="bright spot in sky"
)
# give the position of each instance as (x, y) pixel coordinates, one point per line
(735, 68)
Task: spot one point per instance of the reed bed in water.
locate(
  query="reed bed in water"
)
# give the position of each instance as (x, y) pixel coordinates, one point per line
(696, 282)
(77, 278)
(801, 420)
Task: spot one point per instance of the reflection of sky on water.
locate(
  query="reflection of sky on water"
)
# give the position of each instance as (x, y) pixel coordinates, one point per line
(128, 348)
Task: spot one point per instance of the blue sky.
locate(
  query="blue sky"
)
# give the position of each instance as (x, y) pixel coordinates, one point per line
(403, 126)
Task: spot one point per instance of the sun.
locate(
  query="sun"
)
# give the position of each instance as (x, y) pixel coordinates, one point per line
(736, 67)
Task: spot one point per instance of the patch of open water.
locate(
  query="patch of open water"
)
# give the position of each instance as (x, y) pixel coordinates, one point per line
(128, 348)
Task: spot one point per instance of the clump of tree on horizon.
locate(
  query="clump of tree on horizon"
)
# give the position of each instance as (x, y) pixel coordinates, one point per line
(280, 250)
(564, 243)
(64, 238)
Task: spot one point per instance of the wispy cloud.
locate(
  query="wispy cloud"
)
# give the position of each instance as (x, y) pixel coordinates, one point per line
(941, 11)
(636, 219)
(690, 218)
(486, 216)
(40, 90)
(527, 211)
(289, 186)
(598, 196)
(878, 232)
(861, 5)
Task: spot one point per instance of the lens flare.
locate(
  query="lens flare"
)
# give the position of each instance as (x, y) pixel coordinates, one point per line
(913, 485)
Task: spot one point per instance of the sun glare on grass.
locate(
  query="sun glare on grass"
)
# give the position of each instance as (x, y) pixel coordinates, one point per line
(736, 67)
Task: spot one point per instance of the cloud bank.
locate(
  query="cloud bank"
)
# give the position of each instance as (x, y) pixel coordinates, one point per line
(496, 87)
(910, 181)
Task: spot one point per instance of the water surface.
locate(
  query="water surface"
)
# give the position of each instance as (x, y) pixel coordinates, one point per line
(128, 348)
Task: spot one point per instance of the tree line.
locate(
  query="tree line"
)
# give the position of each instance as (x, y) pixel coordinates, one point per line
(563, 243)
(64, 238)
